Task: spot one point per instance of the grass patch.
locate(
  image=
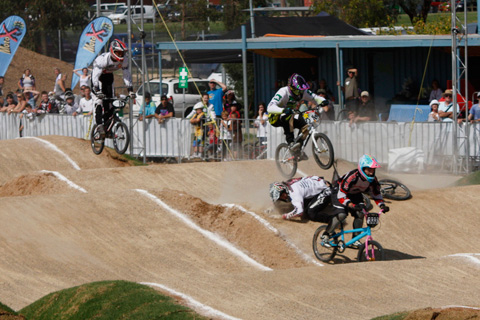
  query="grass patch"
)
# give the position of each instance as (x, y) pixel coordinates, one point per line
(107, 300)
(4, 308)
(395, 316)
(471, 179)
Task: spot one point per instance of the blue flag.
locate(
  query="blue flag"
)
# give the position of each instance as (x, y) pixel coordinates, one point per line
(94, 37)
(12, 31)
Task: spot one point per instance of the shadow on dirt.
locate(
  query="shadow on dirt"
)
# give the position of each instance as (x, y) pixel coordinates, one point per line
(390, 255)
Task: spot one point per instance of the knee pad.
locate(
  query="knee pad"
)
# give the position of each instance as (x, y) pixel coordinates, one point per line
(341, 216)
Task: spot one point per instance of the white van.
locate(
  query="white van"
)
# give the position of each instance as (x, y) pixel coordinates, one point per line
(107, 9)
(174, 94)
(121, 16)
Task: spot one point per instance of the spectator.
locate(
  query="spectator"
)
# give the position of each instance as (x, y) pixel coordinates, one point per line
(433, 115)
(22, 103)
(149, 107)
(86, 103)
(164, 109)
(261, 123)
(59, 87)
(350, 88)
(328, 110)
(2, 81)
(27, 81)
(229, 101)
(85, 76)
(234, 109)
(436, 93)
(70, 105)
(474, 115)
(329, 94)
(207, 108)
(10, 104)
(44, 105)
(78, 97)
(32, 97)
(215, 95)
(445, 109)
(225, 134)
(237, 134)
(197, 120)
(53, 106)
(365, 110)
(212, 135)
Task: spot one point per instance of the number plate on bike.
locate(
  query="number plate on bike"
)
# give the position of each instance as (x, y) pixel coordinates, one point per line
(372, 220)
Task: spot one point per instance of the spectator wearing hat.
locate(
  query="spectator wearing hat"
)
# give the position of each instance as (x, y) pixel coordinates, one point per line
(365, 109)
(474, 115)
(230, 100)
(433, 116)
(215, 96)
(164, 109)
(445, 108)
(70, 106)
(149, 107)
(350, 88)
(197, 120)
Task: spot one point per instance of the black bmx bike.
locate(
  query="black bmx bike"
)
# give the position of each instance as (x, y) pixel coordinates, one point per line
(115, 129)
(322, 149)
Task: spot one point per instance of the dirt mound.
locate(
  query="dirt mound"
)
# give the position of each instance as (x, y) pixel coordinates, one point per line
(453, 313)
(32, 184)
(237, 227)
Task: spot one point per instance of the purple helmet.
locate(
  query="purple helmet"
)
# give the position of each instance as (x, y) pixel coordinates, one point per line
(297, 85)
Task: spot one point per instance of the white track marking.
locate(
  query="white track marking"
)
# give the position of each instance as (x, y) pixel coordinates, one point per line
(301, 172)
(210, 235)
(464, 307)
(60, 176)
(192, 303)
(474, 257)
(55, 148)
(277, 232)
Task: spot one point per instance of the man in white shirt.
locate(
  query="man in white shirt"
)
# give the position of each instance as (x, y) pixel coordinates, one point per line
(445, 109)
(86, 103)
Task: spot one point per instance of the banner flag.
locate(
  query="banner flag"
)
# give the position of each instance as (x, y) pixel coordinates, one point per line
(12, 31)
(94, 37)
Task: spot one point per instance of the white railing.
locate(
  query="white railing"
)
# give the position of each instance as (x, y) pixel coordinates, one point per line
(173, 138)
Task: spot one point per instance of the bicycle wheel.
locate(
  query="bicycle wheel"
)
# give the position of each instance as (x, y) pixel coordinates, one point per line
(324, 154)
(121, 137)
(375, 252)
(95, 141)
(323, 253)
(394, 190)
(286, 161)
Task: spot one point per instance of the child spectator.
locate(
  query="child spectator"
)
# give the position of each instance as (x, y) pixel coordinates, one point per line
(234, 109)
(149, 106)
(225, 134)
(197, 120)
(70, 105)
(433, 116)
(261, 123)
(212, 135)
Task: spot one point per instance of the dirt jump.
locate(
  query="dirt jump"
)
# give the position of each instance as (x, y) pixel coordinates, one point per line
(206, 230)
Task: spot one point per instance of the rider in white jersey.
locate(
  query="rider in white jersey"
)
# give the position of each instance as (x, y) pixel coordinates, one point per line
(307, 195)
(281, 107)
(102, 79)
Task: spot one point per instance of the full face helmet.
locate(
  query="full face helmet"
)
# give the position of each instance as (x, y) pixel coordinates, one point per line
(118, 49)
(367, 161)
(276, 190)
(297, 85)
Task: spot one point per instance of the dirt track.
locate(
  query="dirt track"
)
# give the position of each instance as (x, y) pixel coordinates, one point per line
(55, 236)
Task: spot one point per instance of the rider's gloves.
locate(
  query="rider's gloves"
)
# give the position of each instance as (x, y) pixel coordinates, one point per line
(324, 103)
(384, 208)
(359, 207)
(287, 111)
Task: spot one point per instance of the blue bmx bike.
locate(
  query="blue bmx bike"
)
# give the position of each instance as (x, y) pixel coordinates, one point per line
(371, 250)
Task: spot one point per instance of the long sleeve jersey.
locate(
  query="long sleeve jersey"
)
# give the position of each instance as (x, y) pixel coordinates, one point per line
(105, 64)
(304, 188)
(283, 99)
(354, 183)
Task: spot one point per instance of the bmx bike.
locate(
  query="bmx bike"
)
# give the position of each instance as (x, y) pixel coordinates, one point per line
(322, 149)
(115, 129)
(371, 250)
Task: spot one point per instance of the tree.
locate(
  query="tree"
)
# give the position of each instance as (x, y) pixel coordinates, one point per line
(358, 13)
(233, 16)
(416, 9)
(45, 17)
(196, 13)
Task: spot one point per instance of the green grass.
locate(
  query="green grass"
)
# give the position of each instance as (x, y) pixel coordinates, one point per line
(404, 20)
(7, 309)
(395, 316)
(471, 179)
(107, 300)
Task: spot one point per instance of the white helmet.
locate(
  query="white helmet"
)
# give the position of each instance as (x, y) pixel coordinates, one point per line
(118, 49)
(276, 190)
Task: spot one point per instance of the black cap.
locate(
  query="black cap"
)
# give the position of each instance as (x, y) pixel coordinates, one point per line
(164, 96)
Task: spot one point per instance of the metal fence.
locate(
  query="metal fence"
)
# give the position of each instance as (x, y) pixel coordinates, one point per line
(174, 138)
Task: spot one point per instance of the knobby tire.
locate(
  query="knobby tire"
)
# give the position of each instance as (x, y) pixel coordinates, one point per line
(287, 168)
